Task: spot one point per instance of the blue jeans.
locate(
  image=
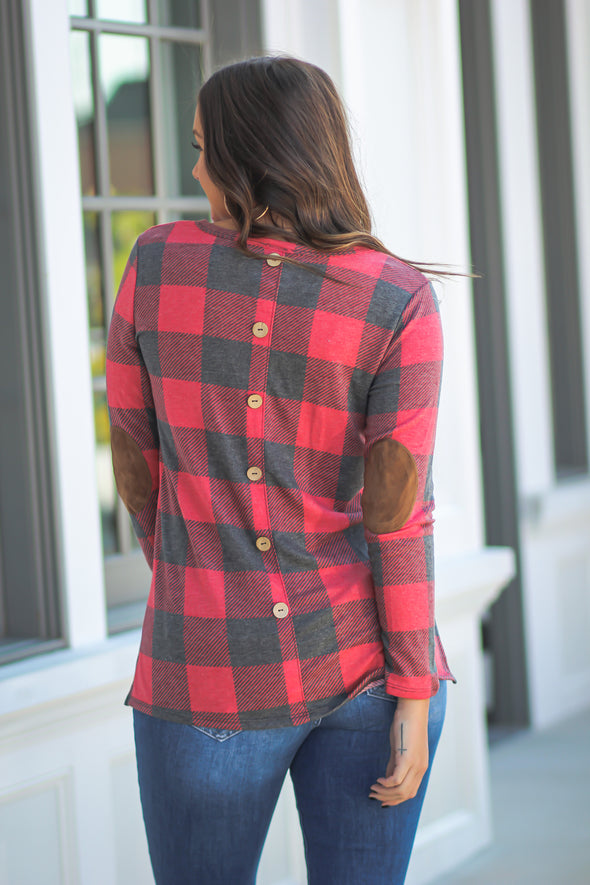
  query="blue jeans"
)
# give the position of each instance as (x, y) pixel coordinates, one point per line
(208, 796)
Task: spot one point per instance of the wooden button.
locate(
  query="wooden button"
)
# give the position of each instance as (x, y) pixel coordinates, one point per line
(273, 259)
(255, 401)
(280, 610)
(254, 473)
(260, 330)
(263, 543)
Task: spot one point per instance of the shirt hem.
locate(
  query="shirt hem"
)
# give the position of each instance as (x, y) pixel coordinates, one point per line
(186, 717)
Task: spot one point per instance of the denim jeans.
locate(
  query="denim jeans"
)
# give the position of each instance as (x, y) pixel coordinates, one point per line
(208, 796)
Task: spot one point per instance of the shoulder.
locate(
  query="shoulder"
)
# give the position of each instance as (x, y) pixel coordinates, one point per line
(380, 268)
(178, 232)
(392, 287)
(397, 273)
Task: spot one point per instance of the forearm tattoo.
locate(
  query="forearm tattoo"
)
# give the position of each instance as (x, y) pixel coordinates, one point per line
(402, 749)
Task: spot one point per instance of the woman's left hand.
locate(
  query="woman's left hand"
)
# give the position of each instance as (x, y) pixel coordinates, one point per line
(408, 761)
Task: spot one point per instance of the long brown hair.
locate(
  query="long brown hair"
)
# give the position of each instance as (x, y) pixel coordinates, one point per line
(277, 144)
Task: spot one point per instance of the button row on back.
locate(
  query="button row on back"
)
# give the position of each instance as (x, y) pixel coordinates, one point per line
(260, 330)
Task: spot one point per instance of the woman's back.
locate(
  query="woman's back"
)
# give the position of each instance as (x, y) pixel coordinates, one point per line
(268, 384)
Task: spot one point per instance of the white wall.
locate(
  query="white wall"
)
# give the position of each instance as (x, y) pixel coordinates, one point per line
(69, 803)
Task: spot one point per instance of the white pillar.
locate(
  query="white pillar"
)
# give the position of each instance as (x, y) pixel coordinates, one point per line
(578, 45)
(520, 202)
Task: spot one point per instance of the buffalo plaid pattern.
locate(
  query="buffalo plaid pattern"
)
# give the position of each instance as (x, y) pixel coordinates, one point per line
(270, 603)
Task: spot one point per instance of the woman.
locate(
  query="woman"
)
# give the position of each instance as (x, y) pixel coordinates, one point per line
(273, 380)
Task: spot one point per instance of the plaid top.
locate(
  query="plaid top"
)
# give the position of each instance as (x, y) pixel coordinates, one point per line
(254, 390)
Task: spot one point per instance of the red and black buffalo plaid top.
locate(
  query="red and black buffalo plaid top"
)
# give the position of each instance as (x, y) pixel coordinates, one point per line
(255, 390)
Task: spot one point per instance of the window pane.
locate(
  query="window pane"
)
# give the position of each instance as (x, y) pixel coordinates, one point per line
(78, 7)
(124, 76)
(94, 282)
(181, 13)
(122, 10)
(84, 107)
(126, 227)
(107, 495)
(97, 332)
(194, 216)
(183, 65)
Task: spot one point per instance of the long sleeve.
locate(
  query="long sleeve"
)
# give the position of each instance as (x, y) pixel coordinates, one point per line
(398, 499)
(134, 437)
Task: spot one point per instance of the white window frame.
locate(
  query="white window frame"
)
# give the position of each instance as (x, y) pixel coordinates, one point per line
(66, 319)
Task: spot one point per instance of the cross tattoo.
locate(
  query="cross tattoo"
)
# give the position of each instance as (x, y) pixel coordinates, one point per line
(402, 749)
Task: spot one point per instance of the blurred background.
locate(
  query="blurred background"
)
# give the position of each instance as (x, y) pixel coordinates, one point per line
(471, 124)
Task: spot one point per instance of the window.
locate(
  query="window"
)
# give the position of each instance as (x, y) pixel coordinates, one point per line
(137, 66)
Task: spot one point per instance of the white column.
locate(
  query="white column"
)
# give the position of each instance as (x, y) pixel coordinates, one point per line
(305, 30)
(523, 244)
(66, 320)
(578, 45)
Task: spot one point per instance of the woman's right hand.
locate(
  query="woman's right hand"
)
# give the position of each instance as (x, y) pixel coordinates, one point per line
(408, 760)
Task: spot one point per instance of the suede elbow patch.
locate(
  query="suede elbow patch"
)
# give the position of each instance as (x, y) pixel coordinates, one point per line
(132, 474)
(391, 486)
